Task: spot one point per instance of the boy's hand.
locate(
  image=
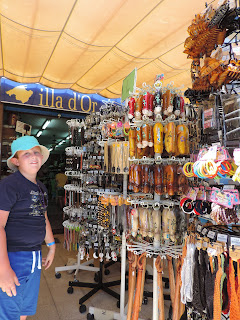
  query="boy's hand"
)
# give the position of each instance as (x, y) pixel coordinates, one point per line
(9, 281)
(49, 259)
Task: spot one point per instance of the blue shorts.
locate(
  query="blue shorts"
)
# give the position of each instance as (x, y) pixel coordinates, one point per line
(27, 266)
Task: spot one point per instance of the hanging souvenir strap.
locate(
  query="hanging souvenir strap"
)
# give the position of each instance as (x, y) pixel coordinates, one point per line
(159, 267)
(217, 305)
(238, 275)
(176, 306)
(65, 238)
(71, 235)
(234, 306)
(65, 199)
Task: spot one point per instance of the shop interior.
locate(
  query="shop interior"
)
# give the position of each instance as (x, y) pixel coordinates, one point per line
(52, 131)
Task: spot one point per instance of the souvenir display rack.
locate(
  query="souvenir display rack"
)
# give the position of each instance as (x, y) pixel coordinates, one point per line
(179, 168)
(96, 224)
(71, 227)
(212, 201)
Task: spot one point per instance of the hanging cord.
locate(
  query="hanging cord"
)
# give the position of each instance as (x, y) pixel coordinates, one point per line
(217, 305)
(234, 306)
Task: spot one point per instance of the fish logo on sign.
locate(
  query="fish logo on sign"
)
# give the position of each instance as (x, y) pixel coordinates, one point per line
(21, 93)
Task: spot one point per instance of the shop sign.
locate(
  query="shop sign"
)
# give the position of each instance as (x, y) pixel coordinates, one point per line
(35, 94)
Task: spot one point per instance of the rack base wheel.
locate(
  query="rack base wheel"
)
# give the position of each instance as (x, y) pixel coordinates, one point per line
(145, 301)
(58, 275)
(90, 316)
(106, 272)
(75, 280)
(118, 304)
(70, 290)
(96, 277)
(91, 265)
(82, 308)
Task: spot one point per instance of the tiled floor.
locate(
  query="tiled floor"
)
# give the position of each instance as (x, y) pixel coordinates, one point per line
(56, 304)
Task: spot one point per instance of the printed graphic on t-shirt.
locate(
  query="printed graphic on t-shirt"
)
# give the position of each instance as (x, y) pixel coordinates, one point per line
(38, 205)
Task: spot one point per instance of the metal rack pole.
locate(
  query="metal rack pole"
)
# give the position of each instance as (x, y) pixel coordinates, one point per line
(123, 256)
(155, 283)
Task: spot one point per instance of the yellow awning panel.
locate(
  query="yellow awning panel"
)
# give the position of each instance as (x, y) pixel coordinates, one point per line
(91, 46)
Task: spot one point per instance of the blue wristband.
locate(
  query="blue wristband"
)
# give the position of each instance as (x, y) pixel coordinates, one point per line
(50, 244)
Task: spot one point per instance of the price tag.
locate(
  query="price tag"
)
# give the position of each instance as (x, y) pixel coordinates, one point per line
(99, 157)
(205, 244)
(106, 244)
(212, 252)
(199, 228)
(204, 231)
(211, 234)
(235, 241)
(95, 226)
(87, 243)
(90, 225)
(199, 245)
(229, 187)
(95, 244)
(222, 237)
(94, 157)
(92, 207)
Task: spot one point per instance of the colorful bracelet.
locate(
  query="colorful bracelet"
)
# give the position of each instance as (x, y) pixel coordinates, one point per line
(50, 244)
(233, 169)
(211, 169)
(188, 169)
(224, 167)
(198, 170)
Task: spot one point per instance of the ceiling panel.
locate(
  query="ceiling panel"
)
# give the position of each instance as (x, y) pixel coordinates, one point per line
(91, 46)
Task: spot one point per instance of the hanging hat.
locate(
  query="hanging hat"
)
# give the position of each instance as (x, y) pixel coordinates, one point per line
(26, 143)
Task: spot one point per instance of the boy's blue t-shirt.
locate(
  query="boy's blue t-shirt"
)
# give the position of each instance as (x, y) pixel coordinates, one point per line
(27, 204)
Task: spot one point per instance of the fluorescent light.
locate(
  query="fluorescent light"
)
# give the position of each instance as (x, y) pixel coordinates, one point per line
(61, 142)
(51, 149)
(69, 137)
(39, 133)
(46, 124)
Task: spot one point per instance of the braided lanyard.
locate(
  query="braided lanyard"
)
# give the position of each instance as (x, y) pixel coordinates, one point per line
(217, 306)
(234, 306)
(238, 274)
(224, 276)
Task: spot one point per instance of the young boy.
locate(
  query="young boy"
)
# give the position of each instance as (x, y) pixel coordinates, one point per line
(23, 227)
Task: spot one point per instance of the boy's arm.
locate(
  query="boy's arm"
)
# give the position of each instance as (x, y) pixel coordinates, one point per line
(8, 278)
(49, 239)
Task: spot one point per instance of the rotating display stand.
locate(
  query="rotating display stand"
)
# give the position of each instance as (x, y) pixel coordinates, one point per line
(75, 124)
(83, 166)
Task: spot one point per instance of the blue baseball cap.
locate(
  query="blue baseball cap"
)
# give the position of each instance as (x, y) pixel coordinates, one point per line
(26, 143)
